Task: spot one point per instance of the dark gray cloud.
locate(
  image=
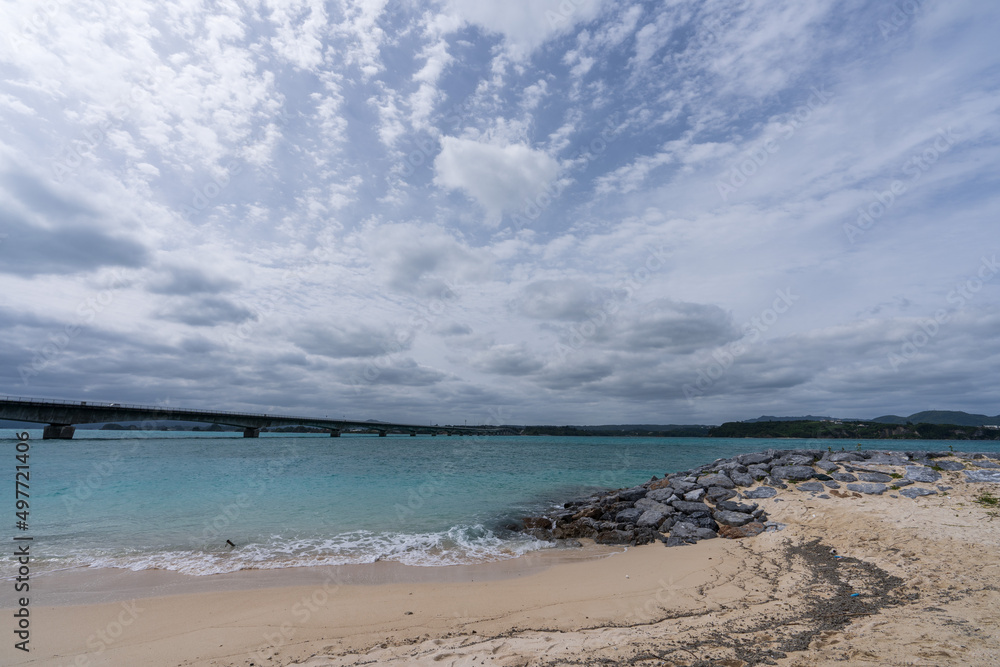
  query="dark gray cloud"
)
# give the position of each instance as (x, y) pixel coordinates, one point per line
(30, 250)
(207, 312)
(189, 280)
(342, 342)
(558, 300)
(676, 327)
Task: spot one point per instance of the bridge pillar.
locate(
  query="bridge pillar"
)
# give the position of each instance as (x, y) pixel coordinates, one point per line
(413, 434)
(251, 432)
(381, 434)
(58, 432)
(335, 433)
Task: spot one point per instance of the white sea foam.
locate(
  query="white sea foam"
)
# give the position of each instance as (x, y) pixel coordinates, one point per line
(458, 545)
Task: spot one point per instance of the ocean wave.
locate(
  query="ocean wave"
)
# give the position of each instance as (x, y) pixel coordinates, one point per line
(456, 546)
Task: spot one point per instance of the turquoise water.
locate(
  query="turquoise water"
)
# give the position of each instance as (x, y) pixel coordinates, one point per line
(171, 500)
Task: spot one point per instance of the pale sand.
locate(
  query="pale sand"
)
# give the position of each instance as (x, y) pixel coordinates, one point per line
(683, 605)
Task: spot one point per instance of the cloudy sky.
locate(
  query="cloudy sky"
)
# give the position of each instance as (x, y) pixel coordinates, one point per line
(529, 211)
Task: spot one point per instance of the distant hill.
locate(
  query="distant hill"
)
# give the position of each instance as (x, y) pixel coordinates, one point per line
(806, 418)
(956, 417)
(852, 430)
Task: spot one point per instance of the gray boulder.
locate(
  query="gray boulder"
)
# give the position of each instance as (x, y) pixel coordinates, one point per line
(886, 459)
(830, 484)
(741, 478)
(797, 472)
(917, 492)
(633, 494)
(645, 504)
(664, 495)
(689, 531)
(844, 477)
(728, 518)
(987, 464)
(874, 477)
(868, 487)
(761, 492)
(840, 457)
(695, 495)
(950, 465)
(682, 486)
(748, 459)
(718, 479)
(977, 476)
(921, 474)
(736, 507)
(689, 507)
(827, 465)
(717, 493)
(758, 472)
(812, 487)
(651, 519)
(630, 515)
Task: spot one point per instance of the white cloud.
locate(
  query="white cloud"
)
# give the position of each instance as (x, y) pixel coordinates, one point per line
(499, 178)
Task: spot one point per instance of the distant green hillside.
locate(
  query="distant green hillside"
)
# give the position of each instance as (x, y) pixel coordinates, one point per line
(940, 417)
(852, 431)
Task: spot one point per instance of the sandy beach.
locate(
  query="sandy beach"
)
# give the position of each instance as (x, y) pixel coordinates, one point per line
(926, 574)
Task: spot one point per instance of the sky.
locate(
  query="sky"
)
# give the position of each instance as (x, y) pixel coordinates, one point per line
(527, 212)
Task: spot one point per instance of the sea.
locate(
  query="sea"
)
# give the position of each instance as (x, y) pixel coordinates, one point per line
(209, 503)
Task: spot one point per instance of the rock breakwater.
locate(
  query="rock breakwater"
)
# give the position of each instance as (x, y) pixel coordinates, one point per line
(716, 499)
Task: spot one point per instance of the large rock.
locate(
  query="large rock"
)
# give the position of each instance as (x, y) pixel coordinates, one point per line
(689, 531)
(761, 492)
(690, 508)
(758, 472)
(588, 513)
(681, 486)
(830, 484)
(797, 472)
(977, 476)
(661, 495)
(867, 487)
(630, 515)
(874, 477)
(633, 494)
(695, 495)
(717, 493)
(812, 487)
(921, 474)
(727, 518)
(885, 459)
(718, 479)
(827, 465)
(736, 507)
(987, 464)
(645, 504)
(741, 478)
(917, 492)
(615, 536)
(840, 457)
(748, 459)
(651, 519)
(950, 465)
(736, 532)
(844, 477)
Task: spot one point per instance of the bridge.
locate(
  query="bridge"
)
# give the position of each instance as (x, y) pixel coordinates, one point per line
(60, 417)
